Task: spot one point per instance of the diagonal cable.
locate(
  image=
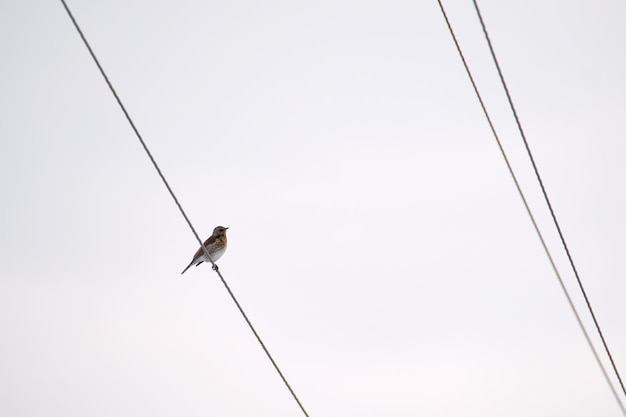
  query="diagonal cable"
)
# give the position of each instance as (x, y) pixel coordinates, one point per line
(532, 217)
(545, 195)
(180, 208)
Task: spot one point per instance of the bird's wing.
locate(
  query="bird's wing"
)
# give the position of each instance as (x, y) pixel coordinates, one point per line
(200, 252)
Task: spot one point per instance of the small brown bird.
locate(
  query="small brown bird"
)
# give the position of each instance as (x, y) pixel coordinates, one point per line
(215, 245)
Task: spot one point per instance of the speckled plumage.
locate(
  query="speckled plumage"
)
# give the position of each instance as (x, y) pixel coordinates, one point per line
(216, 245)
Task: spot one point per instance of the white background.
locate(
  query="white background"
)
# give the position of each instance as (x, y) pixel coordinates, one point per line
(376, 239)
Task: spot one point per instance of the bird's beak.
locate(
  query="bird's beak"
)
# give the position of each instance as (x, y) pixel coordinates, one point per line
(226, 228)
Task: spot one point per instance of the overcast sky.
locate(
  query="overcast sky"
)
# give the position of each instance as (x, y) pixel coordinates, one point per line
(376, 239)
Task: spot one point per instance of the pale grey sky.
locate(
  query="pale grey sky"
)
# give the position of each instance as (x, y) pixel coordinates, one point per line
(376, 240)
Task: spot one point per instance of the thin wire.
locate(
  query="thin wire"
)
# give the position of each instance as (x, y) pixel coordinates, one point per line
(545, 195)
(532, 217)
(206, 252)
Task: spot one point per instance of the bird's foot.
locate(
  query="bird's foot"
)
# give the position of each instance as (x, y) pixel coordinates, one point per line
(215, 267)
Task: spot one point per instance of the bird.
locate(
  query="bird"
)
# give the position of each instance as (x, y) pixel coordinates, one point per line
(215, 245)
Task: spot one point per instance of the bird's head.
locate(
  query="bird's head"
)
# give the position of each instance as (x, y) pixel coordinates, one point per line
(220, 231)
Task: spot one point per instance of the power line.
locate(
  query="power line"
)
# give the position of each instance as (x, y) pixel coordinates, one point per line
(180, 208)
(545, 195)
(532, 218)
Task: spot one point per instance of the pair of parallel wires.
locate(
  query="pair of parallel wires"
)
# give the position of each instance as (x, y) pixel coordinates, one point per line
(182, 211)
(548, 203)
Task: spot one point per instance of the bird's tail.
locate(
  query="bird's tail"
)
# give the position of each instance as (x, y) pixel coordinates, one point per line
(187, 268)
